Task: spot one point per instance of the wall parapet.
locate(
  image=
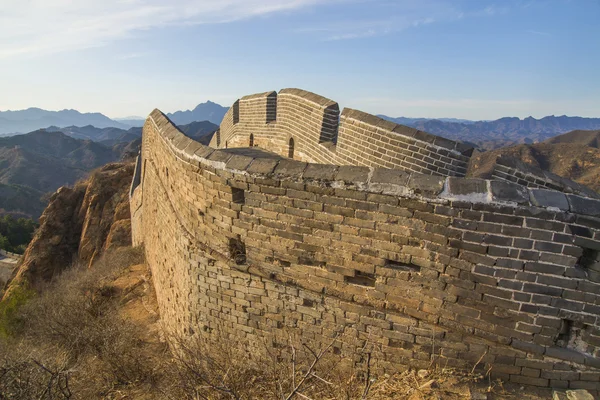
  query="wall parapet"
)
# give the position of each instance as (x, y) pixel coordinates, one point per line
(389, 181)
(497, 272)
(404, 130)
(321, 134)
(513, 170)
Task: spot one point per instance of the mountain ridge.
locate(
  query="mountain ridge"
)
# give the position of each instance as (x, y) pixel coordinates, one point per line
(14, 122)
(208, 111)
(574, 155)
(40, 162)
(489, 135)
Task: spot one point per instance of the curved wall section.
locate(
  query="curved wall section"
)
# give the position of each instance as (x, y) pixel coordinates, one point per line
(321, 135)
(449, 270)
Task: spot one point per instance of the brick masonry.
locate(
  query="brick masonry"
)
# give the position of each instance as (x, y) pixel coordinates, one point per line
(513, 170)
(426, 267)
(322, 135)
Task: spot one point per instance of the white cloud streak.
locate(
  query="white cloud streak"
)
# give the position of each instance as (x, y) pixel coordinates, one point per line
(38, 27)
(400, 16)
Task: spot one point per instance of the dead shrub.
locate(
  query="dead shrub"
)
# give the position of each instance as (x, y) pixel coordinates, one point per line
(28, 372)
(218, 367)
(77, 317)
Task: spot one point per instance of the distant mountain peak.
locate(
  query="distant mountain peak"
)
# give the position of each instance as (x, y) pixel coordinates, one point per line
(207, 111)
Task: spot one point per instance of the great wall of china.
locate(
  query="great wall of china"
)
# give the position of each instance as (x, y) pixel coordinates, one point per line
(302, 221)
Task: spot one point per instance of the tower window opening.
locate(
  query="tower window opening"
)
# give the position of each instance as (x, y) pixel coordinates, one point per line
(291, 148)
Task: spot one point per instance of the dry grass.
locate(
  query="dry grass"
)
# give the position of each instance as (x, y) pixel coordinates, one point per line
(71, 339)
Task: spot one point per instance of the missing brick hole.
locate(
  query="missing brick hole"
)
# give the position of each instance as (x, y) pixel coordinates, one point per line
(238, 196)
(308, 303)
(400, 266)
(571, 336)
(277, 261)
(283, 263)
(565, 333)
(237, 250)
(361, 278)
(590, 259)
(310, 261)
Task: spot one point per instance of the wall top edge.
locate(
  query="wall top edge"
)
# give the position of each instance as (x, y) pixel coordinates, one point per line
(370, 119)
(527, 169)
(259, 95)
(315, 98)
(407, 131)
(374, 180)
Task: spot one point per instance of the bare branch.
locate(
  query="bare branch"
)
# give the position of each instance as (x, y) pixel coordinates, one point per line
(308, 373)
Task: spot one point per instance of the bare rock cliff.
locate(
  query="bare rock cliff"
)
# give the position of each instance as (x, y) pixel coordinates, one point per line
(78, 224)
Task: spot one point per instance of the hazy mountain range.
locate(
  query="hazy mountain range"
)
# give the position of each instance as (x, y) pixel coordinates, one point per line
(35, 118)
(502, 132)
(46, 160)
(486, 135)
(197, 130)
(40, 162)
(34, 164)
(22, 121)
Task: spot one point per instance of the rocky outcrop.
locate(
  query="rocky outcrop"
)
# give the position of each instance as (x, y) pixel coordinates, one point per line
(105, 212)
(78, 224)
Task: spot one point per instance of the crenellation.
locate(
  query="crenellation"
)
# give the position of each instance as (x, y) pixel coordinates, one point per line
(256, 247)
(321, 134)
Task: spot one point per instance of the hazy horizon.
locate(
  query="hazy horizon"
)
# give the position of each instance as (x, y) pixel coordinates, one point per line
(141, 117)
(465, 59)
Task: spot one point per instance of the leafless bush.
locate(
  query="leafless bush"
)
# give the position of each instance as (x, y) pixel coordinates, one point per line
(218, 367)
(27, 373)
(77, 317)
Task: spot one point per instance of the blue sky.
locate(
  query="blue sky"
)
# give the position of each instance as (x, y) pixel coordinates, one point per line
(474, 59)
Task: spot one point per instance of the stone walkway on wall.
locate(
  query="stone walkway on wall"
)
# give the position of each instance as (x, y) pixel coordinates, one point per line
(253, 152)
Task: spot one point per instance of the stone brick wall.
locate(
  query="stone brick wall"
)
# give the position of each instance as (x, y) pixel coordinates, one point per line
(321, 135)
(513, 170)
(428, 268)
(135, 204)
(371, 141)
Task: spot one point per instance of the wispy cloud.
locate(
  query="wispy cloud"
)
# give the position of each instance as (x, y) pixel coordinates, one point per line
(48, 26)
(399, 16)
(130, 56)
